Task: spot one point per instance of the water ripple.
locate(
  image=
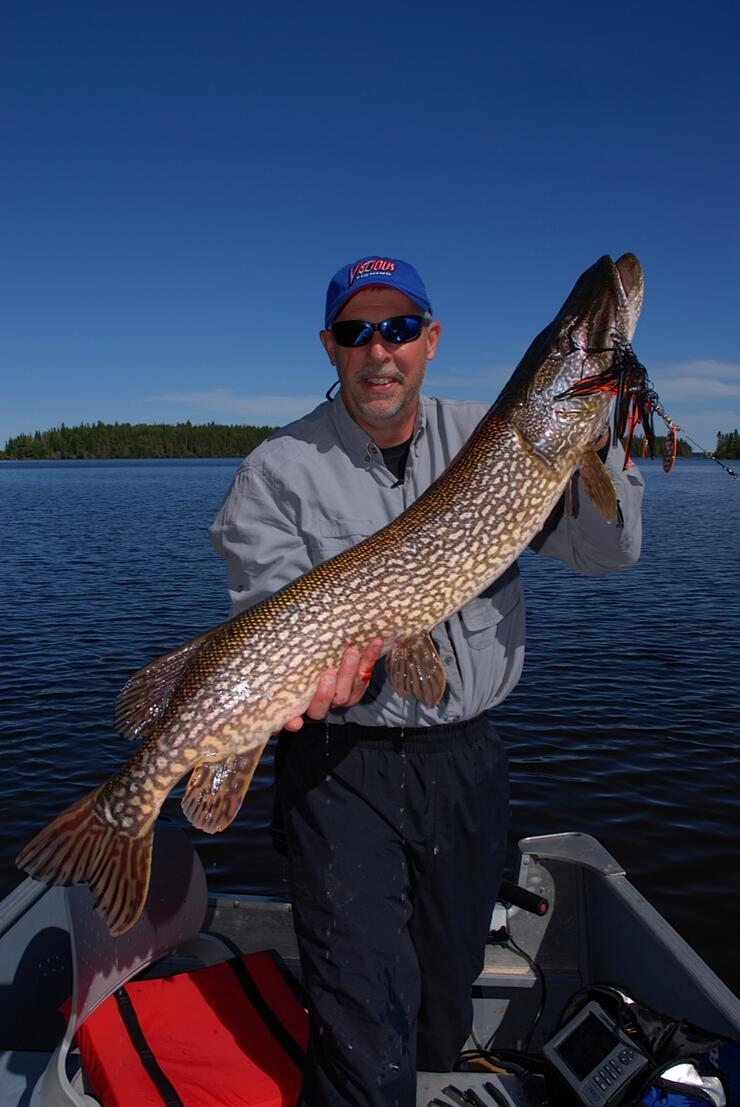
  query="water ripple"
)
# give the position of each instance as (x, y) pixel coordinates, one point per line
(624, 724)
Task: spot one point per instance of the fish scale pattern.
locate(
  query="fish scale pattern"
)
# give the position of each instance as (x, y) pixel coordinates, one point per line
(261, 668)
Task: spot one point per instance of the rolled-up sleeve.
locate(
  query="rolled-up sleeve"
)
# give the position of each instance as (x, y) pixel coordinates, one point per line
(255, 532)
(586, 541)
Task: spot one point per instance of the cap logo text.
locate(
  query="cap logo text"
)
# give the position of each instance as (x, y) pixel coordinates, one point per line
(367, 268)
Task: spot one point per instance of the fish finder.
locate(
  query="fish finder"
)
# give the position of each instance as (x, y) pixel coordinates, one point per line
(594, 1056)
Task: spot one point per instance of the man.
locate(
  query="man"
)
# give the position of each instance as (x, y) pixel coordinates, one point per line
(394, 813)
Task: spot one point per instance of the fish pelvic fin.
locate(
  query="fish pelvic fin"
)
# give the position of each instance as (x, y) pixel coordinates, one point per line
(144, 699)
(414, 668)
(77, 848)
(215, 791)
(598, 484)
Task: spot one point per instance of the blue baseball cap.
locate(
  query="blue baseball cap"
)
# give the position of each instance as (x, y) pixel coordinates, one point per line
(370, 272)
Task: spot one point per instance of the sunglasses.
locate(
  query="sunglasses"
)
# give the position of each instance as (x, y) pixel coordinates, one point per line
(397, 330)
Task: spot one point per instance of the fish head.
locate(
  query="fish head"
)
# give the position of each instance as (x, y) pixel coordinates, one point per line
(604, 305)
(562, 389)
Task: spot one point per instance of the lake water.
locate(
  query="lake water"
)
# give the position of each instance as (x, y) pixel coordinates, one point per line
(625, 724)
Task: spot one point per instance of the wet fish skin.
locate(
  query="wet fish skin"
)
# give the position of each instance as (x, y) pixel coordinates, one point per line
(210, 706)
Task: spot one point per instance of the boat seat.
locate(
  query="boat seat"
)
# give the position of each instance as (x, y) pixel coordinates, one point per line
(172, 918)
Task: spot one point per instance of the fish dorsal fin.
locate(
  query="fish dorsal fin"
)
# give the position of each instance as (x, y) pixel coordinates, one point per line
(144, 699)
(597, 482)
(215, 791)
(414, 669)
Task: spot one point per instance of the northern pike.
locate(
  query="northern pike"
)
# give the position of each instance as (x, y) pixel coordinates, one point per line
(209, 707)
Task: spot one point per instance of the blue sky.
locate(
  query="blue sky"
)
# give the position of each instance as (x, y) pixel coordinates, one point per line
(181, 179)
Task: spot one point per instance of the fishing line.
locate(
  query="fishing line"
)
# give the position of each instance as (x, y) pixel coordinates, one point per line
(706, 453)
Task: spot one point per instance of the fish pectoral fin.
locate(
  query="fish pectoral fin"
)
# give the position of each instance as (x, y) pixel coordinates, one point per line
(595, 478)
(144, 699)
(414, 668)
(216, 790)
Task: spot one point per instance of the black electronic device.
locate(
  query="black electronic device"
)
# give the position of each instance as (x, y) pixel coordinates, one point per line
(594, 1056)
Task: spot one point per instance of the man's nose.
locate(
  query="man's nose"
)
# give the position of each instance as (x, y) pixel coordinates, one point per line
(379, 350)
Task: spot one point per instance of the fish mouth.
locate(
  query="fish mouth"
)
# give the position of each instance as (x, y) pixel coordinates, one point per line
(631, 280)
(605, 303)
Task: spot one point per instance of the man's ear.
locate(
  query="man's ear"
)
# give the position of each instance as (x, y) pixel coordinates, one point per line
(433, 332)
(327, 341)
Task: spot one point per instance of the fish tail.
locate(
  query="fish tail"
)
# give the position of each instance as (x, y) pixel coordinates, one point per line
(77, 847)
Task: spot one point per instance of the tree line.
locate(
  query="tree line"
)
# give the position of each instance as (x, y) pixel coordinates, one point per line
(153, 440)
(135, 440)
(728, 445)
(637, 447)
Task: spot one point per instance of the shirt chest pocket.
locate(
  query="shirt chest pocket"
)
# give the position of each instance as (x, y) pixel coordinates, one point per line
(482, 617)
(331, 536)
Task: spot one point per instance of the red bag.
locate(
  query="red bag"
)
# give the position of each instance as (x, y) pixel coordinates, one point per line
(232, 1034)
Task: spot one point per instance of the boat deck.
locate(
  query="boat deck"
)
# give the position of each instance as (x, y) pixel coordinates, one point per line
(598, 929)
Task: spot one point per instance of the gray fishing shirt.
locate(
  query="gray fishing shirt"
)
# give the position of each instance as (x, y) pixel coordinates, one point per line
(319, 485)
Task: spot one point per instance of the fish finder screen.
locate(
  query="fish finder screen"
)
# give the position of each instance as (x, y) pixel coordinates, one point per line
(587, 1046)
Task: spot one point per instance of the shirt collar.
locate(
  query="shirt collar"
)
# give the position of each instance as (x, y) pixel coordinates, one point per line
(356, 441)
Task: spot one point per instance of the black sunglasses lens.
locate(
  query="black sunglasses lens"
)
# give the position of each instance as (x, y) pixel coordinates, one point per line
(401, 328)
(398, 329)
(352, 332)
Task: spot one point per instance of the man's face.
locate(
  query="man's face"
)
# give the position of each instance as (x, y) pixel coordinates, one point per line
(381, 382)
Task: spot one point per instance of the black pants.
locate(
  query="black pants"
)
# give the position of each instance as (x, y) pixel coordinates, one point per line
(396, 850)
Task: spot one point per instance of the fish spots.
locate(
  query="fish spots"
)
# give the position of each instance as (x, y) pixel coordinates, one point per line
(240, 690)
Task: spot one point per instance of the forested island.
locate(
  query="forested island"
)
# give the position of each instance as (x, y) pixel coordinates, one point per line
(728, 445)
(102, 441)
(98, 441)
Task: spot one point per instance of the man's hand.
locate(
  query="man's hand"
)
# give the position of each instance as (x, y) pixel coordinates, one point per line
(342, 687)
